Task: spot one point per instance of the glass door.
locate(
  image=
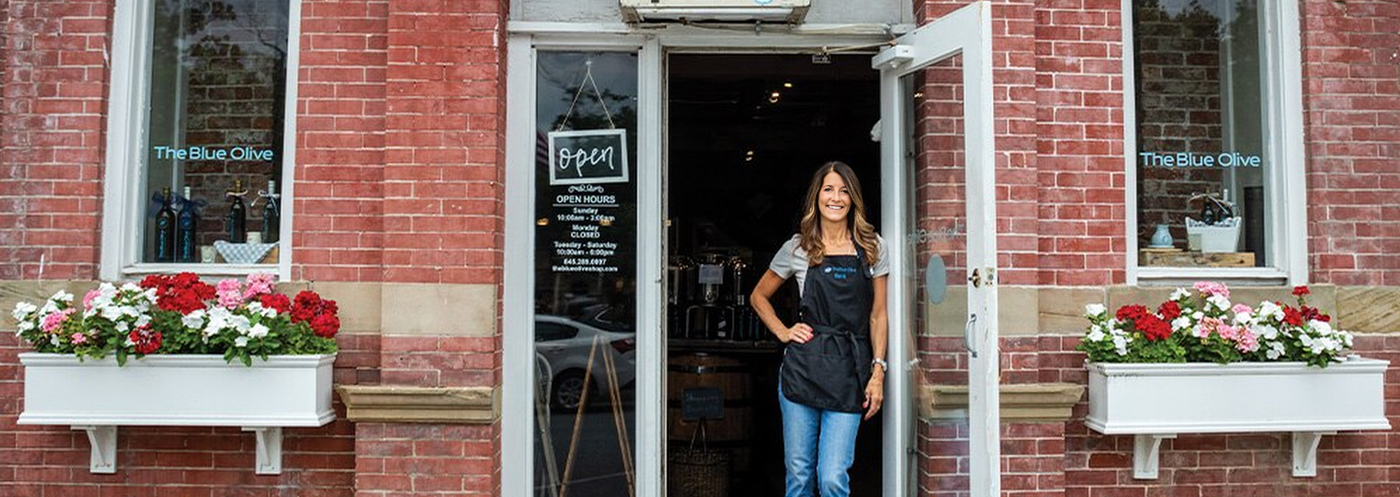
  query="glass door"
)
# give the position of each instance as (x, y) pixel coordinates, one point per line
(942, 431)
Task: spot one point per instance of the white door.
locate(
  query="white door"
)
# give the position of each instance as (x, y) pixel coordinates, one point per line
(936, 134)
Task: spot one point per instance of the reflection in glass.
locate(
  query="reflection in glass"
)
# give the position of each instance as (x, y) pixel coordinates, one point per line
(1200, 133)
(217, 94)
(936, 238)
(585, 273)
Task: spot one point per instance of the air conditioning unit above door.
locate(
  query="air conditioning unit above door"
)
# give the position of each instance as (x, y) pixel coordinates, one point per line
(788, 11)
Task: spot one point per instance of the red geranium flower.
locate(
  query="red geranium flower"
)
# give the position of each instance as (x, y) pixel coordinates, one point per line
(183, 293)
(1153, 327)
(1301, 290)
(276, 301)
(1292, 316)
(321, 314)
(1169, 310)
(1131, 312)
(145, 340)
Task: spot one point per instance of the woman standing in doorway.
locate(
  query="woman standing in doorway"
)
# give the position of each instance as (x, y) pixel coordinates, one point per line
(833, 367)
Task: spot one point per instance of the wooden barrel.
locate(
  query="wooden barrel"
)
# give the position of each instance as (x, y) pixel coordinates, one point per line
(734, 381)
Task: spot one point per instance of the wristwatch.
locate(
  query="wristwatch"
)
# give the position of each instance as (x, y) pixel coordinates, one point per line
(884, 366)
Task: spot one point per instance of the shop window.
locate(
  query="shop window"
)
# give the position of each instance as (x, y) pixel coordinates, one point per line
(1210, 163)
(202, 172)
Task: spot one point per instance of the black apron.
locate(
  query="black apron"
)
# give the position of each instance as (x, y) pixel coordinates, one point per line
(831, 370)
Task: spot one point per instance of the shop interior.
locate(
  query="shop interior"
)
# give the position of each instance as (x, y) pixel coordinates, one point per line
(745, 133)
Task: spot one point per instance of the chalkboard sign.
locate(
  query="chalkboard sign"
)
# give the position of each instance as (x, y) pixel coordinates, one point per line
(592, 156)
(702, 403)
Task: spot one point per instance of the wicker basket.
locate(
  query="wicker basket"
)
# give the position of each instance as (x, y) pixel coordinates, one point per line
(696, 472)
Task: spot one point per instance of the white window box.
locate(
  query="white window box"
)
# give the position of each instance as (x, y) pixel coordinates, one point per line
(1158, 401)
(178, 390)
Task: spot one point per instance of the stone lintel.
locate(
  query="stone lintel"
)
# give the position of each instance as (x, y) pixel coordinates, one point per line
(1020, 403)
(410, 404)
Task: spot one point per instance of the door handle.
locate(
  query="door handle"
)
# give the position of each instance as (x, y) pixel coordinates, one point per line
(967, 335)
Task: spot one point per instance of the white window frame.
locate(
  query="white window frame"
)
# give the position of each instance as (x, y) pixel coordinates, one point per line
(1285, 196)
(127, 139)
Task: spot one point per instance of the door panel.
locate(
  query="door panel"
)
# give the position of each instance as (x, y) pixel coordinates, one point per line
(937, 151)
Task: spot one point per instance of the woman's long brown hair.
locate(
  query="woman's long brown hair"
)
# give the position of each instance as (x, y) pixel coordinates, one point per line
(810, 230)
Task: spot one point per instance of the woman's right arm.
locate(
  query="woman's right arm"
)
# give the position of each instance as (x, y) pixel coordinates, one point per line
(767, 285)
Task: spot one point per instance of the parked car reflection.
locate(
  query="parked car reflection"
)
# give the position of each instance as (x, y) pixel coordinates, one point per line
(564, 345)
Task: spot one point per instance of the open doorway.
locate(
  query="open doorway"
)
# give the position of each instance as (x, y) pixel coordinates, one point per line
(745, 132)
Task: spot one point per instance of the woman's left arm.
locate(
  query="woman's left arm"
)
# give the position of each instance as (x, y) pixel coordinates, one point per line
(879, 337)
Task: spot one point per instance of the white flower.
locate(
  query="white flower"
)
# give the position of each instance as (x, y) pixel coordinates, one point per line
(122, 326)
(1198, 315)
(1181, 323)
(53, 340)
(23, 310)
(193, 320)
(1180, 293)
(131, 287)
(25, 326)
(240, 342)
(1321, 327)
(1219, 302)
(1264, 331)
(1120, 345)
(1346, 338)
(1093, 310)
(1269, 309)
(241, 324)
(1096, 335)
(257, 331)
(1243, 319)
(62, 296)
(218, 320)
(111, 312)
(143, 320)
(1275, 351)
(49, 308)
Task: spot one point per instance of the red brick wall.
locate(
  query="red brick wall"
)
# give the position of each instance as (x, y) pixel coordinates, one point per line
(338, 223)
(1079, 131)
(397, 459)
(1351, 102)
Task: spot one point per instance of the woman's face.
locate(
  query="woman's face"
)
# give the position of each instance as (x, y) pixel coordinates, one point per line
(834, 200)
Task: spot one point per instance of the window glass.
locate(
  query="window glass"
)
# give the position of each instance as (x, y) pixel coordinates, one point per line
(1201, 157)
(217, 99)
(586, 272)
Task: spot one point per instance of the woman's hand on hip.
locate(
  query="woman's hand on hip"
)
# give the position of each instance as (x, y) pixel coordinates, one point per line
(874, 394)
(799, 333)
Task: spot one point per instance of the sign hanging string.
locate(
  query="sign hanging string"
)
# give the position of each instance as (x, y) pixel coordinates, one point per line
(587, 79)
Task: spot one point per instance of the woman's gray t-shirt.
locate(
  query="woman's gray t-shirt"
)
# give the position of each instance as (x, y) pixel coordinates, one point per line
(791, 261)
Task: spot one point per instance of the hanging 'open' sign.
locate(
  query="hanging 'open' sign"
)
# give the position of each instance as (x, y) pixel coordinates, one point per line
(592, 156)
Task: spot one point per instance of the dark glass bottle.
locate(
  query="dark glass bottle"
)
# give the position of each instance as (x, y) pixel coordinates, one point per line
(272, 214)
(165, 229)
(186, 224)
(236, 222)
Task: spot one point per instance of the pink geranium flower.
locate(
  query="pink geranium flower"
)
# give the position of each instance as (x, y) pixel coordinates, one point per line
(1242, 309)
(54, 320)
(1209, 288)
(79, 338)
(258, 284)
(1245, 341)
(229, 292)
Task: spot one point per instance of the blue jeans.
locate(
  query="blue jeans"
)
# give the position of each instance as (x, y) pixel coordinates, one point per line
(821, 440)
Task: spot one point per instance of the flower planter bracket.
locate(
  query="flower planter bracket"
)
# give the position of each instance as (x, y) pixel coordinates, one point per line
(104, 448)
(1146, 450)
(1305, 452)
(1145, 454)
(269, 450)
